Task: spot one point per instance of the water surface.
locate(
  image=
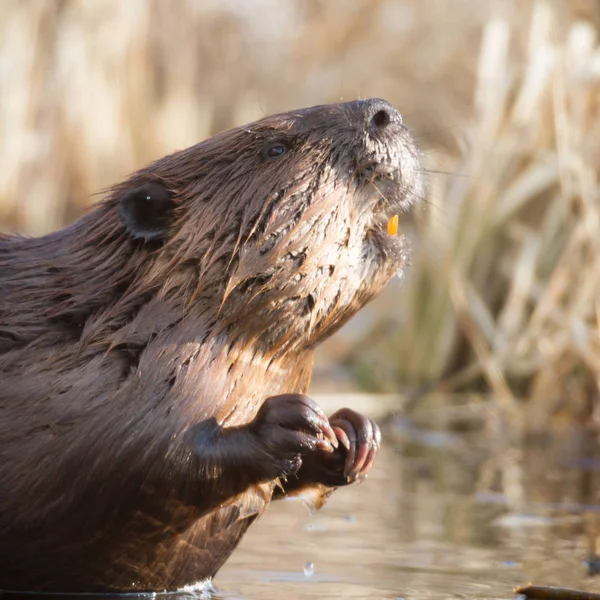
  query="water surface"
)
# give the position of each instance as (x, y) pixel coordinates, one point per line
(441, 516)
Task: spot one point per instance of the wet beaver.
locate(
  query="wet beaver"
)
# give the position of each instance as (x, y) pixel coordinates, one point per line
(154, 356)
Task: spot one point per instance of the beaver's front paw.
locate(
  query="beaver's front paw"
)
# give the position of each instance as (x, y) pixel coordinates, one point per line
(289, 427)
(360, 439)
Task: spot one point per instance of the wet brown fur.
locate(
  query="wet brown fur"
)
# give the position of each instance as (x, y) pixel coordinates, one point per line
(111, 349)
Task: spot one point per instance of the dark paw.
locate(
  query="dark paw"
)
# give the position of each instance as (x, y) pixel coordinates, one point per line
(360, 439)
(290, 427)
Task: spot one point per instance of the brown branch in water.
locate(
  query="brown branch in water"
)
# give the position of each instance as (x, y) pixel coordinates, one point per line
(540, 592)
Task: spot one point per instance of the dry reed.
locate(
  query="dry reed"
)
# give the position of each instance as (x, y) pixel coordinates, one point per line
(505, 289)
(503, 295)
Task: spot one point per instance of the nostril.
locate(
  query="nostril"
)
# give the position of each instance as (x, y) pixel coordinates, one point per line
(377, 117)
(381, 119)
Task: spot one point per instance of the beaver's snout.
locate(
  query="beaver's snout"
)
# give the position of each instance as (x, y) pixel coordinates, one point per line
(375, 116)
(385, 151)
(379, 115)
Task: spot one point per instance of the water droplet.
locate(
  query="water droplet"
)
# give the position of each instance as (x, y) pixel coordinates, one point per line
(309, 568)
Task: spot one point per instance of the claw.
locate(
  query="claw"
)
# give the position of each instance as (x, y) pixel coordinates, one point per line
(361, 437)
(369, 461)
(362, 453)
(342, 437)
(329, 434)
(325, 446)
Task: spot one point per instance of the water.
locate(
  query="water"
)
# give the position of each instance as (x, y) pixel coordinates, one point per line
(441, 516)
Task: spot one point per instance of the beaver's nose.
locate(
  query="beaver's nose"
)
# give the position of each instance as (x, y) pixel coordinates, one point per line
(379, 115)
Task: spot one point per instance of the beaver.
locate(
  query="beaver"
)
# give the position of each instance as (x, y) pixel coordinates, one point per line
(155, 355)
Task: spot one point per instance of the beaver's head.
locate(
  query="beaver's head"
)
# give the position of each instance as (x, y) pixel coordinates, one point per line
(283, 228)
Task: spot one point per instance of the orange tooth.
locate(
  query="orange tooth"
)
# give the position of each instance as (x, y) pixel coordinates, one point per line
(393, 225)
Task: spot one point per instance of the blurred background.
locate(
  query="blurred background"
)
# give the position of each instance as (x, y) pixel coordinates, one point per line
(493, 332)
(500, 308)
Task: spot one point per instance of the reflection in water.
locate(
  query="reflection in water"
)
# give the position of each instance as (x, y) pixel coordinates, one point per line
(441, 516)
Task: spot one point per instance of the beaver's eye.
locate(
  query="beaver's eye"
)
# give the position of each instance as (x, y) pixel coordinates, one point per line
(275, 150)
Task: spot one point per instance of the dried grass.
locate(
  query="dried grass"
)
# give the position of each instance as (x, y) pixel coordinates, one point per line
(503, 294)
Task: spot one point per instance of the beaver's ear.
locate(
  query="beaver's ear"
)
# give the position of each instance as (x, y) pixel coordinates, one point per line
(147, 211)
